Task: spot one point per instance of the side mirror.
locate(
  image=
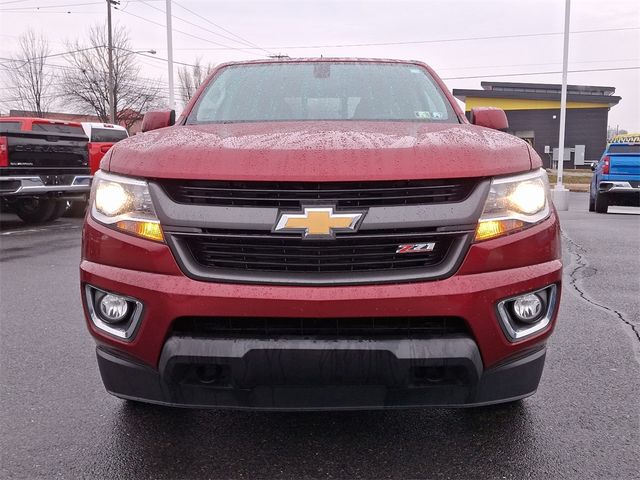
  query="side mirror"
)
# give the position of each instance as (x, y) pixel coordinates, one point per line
(489, 117)
(593, 166)
(158, 119)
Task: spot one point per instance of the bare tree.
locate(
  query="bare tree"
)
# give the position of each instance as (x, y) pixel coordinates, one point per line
(28, 75)
(190, 78)
(86, 83)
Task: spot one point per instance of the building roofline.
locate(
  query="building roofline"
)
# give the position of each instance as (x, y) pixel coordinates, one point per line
(487, 85)
(462, 94)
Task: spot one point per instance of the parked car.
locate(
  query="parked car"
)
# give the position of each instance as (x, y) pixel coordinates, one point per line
(321, 234)
(616, 177)
(43, 165)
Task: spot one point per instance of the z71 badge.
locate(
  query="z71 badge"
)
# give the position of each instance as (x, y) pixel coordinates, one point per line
(416, 247)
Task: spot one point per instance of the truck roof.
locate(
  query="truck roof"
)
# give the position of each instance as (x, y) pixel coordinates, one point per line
(286, 59)
(30, 120)
(103, 125)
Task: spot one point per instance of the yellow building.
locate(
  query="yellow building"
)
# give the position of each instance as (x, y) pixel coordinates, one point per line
(533, 111)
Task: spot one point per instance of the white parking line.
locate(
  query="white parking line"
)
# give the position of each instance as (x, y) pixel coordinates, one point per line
(66, 226)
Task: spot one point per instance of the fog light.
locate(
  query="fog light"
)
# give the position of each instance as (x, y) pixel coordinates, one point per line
(113, 309)
(527, 308)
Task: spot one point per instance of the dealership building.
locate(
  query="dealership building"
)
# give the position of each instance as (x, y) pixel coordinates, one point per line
(533, 111)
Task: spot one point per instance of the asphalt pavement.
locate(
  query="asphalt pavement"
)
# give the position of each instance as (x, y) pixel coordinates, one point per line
(584, 422)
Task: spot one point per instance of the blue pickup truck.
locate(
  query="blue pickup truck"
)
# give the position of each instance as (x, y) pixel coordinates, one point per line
(616, 177)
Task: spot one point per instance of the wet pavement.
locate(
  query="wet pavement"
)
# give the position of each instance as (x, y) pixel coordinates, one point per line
(58, 422)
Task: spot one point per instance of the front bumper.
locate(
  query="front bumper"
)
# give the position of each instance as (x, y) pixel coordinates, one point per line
(35, 185)
(621, 192)
(321, 375)
(157, 365)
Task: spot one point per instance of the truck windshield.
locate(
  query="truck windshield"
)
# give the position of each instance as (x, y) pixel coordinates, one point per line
(106, 135)
(622, 148)
(322, 91)
(57, 128)
(6, 127)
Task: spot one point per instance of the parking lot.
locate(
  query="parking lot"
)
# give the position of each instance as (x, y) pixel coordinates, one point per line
(584, 421)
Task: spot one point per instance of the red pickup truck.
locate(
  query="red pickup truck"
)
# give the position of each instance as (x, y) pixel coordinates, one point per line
(321, 234)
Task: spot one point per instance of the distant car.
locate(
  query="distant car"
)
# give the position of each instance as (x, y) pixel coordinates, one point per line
(102, 136)
(616, 178)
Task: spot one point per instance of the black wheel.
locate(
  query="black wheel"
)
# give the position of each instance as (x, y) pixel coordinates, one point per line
(35, 210)
(601, 203)
(592, 203)
(77, 209)
(58, 210)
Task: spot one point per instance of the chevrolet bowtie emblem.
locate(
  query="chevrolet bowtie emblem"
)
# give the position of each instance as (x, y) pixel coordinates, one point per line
(318, 222)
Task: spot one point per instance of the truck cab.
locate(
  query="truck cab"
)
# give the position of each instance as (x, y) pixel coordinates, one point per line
(616, 178)
(102, 136)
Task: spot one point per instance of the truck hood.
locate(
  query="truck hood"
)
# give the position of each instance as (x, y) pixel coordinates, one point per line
(319, 151)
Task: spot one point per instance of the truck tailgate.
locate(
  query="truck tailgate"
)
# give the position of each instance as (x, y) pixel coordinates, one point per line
(624, 165)
(46, 153)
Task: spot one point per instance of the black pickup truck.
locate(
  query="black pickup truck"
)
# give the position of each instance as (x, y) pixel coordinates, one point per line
(43, 165)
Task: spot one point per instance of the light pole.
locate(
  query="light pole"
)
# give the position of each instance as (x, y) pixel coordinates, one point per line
(112, 93)
(172, 101)
(561, 194)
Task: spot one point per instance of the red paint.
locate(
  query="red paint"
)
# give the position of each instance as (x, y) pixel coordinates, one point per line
(493, 270)
(97, 150)
(325, 151)
(26, 123)
(489, 117)
(472, 297)
(158, 119)
(4, 152)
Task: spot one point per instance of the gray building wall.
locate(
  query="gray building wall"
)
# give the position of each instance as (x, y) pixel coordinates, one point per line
(584, 126)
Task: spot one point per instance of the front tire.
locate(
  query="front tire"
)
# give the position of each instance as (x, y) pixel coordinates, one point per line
(592, 203)
(601, 203)
(77, 209)
(58, 210)
(35, 209)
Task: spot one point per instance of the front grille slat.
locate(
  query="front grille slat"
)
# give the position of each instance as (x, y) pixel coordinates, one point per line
(221, 253)
(295, 194)
(395, 200)
(336, 328)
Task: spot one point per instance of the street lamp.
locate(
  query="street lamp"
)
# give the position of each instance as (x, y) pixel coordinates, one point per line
(561, 194)
(112, 94)
(112, 87)
(112, 91)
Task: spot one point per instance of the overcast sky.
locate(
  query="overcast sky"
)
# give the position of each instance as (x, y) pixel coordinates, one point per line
(281, 26)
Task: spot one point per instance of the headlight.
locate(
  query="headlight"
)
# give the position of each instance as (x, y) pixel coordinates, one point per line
(124, 204)
(514, 203)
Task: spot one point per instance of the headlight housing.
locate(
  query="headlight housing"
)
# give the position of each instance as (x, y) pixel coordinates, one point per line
(124, 204)
(514, 203)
